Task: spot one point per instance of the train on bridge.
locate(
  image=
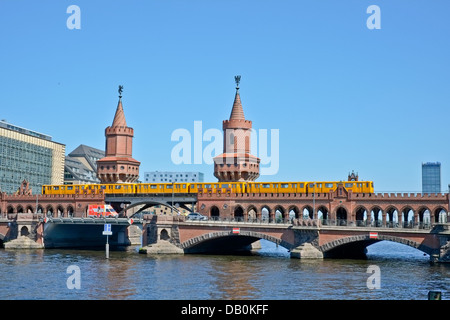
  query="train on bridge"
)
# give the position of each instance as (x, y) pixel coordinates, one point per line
(216, 187)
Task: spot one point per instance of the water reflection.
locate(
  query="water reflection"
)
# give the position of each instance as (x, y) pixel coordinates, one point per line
(269, 274)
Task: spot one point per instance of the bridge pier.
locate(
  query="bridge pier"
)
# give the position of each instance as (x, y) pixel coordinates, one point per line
(443, 254)
(306, 251)
(161, 236)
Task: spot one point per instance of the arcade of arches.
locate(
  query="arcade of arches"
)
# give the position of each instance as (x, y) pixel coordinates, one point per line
(391, 215)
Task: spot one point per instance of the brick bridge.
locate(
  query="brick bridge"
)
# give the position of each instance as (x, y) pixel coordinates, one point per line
(335, 224)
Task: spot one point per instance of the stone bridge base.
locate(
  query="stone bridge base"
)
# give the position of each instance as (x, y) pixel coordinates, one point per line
(306, 251)
(168, 235)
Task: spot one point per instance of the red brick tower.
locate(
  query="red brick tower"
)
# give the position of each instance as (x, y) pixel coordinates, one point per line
(236, 163)
(118, 165)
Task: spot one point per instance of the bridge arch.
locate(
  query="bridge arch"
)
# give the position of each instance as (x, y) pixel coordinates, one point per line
(194, 244)
(358, 243)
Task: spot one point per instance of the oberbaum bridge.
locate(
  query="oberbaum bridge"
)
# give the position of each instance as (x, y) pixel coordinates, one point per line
(334, 226)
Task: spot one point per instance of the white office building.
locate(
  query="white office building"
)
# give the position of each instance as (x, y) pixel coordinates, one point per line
(172, 176)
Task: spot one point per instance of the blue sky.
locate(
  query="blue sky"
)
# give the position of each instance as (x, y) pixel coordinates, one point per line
(342, 96)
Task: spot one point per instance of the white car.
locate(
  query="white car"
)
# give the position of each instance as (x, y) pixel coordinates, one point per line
(196, 216)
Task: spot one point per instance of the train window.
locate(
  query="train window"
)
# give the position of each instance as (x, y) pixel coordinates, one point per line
(216, 186)
(319, 185)
(118, 187)
(328, 185)
(233, 185)
(311, 185)
(284, 185)
(184, 186)
(225, 185)
(168, 186)
(102, 187)
(349, 185)
(294, 185)
(367, 184)
(302, 185)
(153, 186)
(207, 186)
(69, 188)
(55, 188)
(266, 185)
(194, 186)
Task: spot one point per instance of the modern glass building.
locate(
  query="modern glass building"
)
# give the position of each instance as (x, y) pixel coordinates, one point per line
(28, 155)
(431, 177)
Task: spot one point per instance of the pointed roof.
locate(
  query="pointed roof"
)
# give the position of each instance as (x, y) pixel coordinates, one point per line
(119, 118)
(237, 113)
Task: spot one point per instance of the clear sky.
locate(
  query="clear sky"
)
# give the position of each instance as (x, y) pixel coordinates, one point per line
(341, 96)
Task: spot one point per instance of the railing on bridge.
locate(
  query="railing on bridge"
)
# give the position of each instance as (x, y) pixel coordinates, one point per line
(308, 222)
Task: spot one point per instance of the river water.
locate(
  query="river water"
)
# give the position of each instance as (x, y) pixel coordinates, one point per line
(392, 271)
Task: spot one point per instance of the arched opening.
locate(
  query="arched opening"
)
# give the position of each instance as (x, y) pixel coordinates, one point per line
(49, 211)
(20, 209)
(70, 211)
(252, 214)
(29, 209)
(361, 216)
(407, 217)
(265, 214)
(424, 218)
(307, 212)
(239, 214)
(376, 217)
(392, 218)
(10, 209)
(341, 216)
(164, 235)
(59, 211)
(279, 214)
(214, 213)
(440, 215)
(24, 231)
(40, 209)
(322, 213)
(293, 212)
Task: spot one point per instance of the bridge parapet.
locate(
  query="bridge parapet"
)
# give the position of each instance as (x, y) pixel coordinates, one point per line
(407, 195)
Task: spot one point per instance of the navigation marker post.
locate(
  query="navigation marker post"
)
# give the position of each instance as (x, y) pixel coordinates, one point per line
(107, 232)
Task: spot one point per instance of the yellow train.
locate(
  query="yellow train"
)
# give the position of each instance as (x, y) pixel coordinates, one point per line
(213, 187)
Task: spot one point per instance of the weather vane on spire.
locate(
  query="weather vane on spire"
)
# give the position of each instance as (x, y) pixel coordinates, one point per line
(120, 91)
(237, 79)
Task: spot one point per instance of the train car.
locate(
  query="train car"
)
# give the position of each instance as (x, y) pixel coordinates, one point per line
(117, 188)
(165, 188)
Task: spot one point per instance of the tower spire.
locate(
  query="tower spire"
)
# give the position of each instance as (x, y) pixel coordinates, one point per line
(236, 163)
(118, 165)
(237, 113)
